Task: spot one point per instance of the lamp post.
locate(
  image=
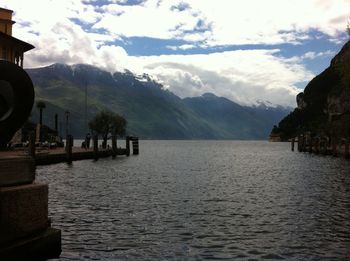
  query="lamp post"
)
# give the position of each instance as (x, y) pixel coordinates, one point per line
(56, 123)
(86, 124)
(67, 122)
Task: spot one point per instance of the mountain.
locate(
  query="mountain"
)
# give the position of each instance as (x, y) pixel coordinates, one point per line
(152, 112)
(231, 120)
(324, 106)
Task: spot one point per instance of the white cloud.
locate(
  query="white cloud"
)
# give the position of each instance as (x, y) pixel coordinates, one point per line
(314, 55)
(227, 22)
(243, 76)
(215, 23)
(181, 47)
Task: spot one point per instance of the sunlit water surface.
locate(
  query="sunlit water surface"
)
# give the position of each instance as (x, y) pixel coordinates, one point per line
(203, 200)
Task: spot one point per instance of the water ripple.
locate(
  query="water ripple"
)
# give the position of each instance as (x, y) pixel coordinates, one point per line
(203, 200)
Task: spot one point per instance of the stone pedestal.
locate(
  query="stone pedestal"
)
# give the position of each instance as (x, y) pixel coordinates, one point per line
(40, 246)
(24, 210)
(16, 171)
(24, 224)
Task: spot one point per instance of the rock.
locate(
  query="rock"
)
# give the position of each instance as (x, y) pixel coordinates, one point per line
(300, 101)
(324, 106)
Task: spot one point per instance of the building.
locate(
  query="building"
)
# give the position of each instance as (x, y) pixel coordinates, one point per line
(11, 48)
(275, 137)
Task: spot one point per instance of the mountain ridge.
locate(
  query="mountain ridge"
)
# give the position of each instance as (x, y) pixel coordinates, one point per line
(153, 112)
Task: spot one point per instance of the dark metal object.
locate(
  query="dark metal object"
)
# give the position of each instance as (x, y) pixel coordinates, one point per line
(16, 100)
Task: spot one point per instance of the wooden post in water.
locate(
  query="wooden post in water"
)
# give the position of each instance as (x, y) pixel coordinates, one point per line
(347, 152)
(323, 145)
(311, 140)
(114, 146)
(31, 145)
(127, 145)
(292, 143)
(69, 146)
(317, 145)
(135, 146)
(303, 147)
(300, 140)
(334, 147)
(95, 140)
(346, 147)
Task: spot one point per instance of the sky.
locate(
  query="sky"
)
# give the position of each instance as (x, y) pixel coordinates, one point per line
(245, 50)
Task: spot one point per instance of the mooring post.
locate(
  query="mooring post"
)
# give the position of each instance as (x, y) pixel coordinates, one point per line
(95, 138)
(292, 144)
(317, 145)
(334, 147)
(135, 146)
(300, 138)
(323, 145)
(311, 140)
(69, 146)
(346, 147)
(346, 152)
(31, 145)
(127, 145)
(303, 143)
(114, 146)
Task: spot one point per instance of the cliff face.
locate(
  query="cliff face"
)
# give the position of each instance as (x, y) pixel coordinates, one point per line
(338, 100)
(324, 106)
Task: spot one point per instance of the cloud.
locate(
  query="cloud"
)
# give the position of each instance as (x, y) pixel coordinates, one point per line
(214, 23)
(310, 56)
(227, 22)
(181, 47)
(314, 55)
(243, 76)
(73, 31)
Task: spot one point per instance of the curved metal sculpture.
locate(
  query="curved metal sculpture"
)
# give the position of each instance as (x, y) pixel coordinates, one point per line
(16, 100)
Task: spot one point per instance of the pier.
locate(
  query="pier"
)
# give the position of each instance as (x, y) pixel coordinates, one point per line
(47, 156)
(323, 145)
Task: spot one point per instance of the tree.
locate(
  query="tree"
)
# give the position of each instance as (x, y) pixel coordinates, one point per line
(348, 27)
(41, 106)
(108, 123)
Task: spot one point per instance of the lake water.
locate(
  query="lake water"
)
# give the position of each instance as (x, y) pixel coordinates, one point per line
(203, 200)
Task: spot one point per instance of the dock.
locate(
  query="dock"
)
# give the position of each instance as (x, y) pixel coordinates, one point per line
(47, 156)
(322, 145)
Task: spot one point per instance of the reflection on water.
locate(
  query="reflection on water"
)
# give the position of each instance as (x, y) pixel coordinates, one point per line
(203, 200)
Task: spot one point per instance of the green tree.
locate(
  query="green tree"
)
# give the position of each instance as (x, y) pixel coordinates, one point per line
(107, 124)
(41, 106)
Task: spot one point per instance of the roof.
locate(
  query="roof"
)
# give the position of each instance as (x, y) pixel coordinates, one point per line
(26, 46)
(7, 10)
(7, 21)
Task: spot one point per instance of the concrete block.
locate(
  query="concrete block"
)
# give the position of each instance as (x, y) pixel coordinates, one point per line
(23, 211)
(16, 171)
